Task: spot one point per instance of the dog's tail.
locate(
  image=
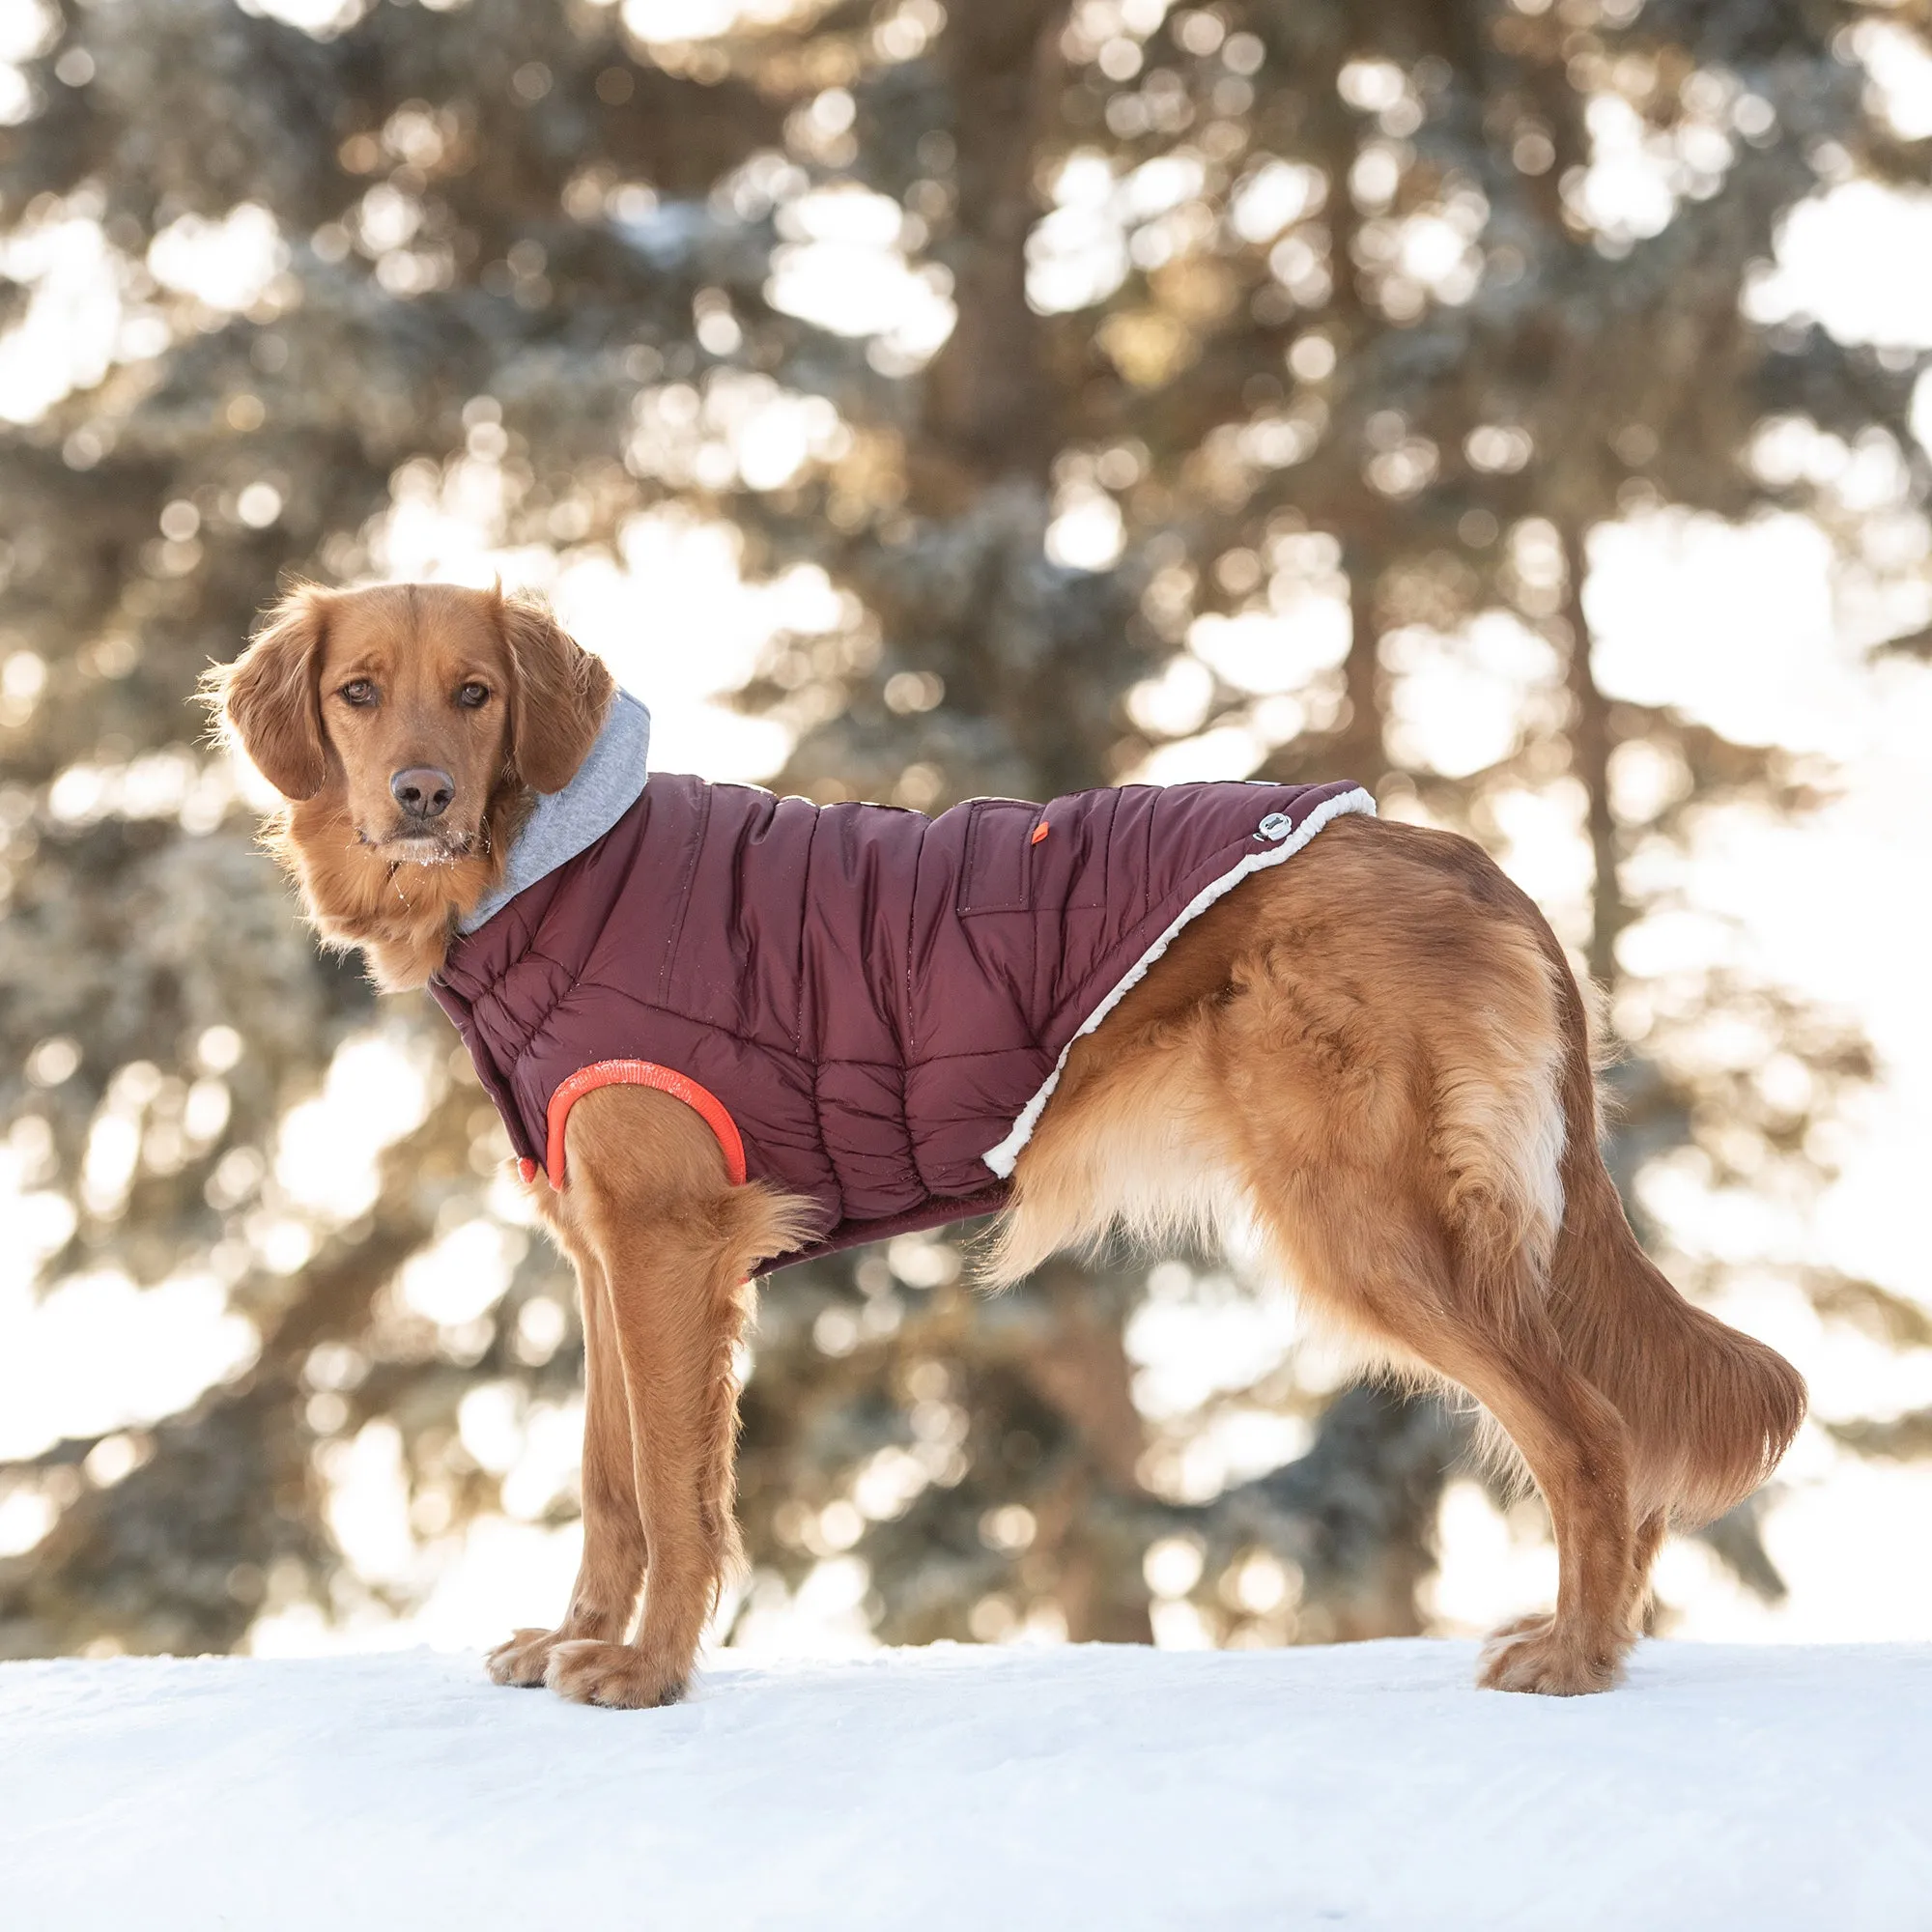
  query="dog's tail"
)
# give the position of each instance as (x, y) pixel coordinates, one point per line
(1710, 1410)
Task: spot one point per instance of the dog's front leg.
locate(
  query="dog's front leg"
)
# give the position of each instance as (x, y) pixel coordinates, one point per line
(611, 1571)
(674, 1243)
(676, 1326)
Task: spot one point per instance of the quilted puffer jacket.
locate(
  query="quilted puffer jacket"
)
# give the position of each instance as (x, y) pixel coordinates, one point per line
(869, 1007)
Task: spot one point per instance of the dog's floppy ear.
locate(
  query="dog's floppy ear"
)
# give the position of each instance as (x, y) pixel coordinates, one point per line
(559, 698)
(269, 695)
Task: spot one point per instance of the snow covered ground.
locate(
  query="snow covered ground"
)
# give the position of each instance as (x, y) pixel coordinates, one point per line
(1369, 1786)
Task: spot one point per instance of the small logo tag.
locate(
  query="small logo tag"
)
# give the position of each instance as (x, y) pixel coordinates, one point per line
(1277, 825)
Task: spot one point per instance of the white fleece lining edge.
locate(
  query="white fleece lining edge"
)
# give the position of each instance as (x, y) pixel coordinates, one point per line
(1002, 1158)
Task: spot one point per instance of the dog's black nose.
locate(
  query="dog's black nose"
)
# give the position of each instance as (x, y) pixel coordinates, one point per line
(423, 791)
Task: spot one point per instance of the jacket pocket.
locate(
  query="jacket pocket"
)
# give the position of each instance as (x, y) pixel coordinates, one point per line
(996, 874)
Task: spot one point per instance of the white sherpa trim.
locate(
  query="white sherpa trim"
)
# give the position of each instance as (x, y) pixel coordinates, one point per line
(1002, 1158)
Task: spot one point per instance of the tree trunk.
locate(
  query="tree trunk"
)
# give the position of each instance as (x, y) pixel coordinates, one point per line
(1590, 748)
(989, 408)
(1359, 750)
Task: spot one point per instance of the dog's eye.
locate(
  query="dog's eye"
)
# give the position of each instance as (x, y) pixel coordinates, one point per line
(359, 690)
(473, 696)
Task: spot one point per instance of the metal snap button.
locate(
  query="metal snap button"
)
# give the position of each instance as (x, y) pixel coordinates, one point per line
(1277, 825)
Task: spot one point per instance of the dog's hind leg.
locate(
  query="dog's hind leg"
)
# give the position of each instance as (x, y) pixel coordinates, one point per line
(1645, 1542)
(612, 1571)
(1577, 1449)
(675, 1244)
(1385, 1269)
(1376, 1251)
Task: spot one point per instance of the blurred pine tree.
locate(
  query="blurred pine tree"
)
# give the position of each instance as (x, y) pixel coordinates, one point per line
(1303, 308)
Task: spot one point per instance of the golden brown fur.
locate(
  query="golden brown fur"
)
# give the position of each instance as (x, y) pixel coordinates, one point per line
(1376, 1054)
(664, 1248)
(368, 877)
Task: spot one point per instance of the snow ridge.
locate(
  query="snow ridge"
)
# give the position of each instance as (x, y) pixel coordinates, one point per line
(1367, 1785)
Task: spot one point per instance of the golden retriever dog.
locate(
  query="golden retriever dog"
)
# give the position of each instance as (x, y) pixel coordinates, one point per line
(1376, 1055)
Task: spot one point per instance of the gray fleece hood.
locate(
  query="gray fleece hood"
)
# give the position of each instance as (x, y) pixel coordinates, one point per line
(609, 781)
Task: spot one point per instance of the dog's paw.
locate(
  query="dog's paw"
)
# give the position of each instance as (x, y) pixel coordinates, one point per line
(521, 1661)
(1538, 1655)
(615, 1675)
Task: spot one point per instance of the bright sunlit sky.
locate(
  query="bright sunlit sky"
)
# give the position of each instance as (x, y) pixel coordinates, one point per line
(1758, 630)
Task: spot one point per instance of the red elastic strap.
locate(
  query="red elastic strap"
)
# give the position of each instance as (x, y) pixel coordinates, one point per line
(709, 1108)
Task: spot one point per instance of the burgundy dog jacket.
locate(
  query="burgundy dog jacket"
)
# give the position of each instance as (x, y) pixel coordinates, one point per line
(869, 1007)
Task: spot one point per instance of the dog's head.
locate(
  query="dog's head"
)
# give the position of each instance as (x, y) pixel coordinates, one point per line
(412, 707)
